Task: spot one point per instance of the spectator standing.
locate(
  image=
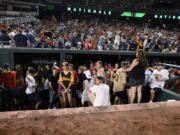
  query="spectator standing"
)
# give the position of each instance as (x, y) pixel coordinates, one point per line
(33, 98)
(74, 85)
(53, 85)
(137, 75)
(101, 42)
(100, 69)
(66, 79)
(10, 84)
(30, 38)
(158, 78)
(21, 40)
(119, 83)
(4, 38)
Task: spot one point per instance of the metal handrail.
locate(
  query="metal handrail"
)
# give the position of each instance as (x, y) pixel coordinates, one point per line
(173, 79)
(171, 65)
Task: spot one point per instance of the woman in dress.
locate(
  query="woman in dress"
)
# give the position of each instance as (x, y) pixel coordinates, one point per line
(137, 76)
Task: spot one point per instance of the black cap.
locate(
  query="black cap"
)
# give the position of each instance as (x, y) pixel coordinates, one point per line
(100, 78)
(6, 65)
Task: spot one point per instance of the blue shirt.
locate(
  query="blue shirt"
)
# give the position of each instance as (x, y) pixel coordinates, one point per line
(30, 37)
(5, 39)
(20, 40)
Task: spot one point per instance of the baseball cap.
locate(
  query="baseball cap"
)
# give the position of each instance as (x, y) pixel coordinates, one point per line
(100, 78)
(6, 65)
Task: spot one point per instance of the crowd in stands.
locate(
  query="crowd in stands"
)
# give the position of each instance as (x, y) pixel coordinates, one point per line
(90, 35)
(53, 86)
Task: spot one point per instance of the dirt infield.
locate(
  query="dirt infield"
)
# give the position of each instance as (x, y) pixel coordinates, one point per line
(144, 119)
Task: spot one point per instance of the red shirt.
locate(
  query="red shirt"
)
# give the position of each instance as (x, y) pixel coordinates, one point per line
(89, 46)
(1, 80)
(10, 79)
(76, 78)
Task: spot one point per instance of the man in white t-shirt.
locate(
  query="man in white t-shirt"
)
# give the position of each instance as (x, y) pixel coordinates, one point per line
(117, 40)
(30, 82)
(31, 89)
(101, 93)
(158, 78)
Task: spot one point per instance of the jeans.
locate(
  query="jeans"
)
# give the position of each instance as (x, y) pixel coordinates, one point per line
(52, 99)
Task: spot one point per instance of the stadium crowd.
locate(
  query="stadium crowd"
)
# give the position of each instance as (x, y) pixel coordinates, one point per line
(52, 86)
(90, 35)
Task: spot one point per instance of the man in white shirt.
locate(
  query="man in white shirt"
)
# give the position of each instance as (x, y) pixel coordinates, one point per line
(158, 78)
(31, 88)
(99, 94)
(117, 40)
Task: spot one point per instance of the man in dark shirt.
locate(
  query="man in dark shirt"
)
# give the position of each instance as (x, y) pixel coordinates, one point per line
(30, 38)
(53, 85)
(4, 38)
(132, 46)
(75, 41)
(21, 40)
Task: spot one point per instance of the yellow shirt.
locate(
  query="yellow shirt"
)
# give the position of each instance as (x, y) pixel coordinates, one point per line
(119, 82)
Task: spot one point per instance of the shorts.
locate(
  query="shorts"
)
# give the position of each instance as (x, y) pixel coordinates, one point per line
(136, 82)
(156, 89)
(119, 94)
(33, 98)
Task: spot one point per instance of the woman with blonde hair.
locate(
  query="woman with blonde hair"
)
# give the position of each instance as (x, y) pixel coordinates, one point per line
(137, 76)
(66, 80)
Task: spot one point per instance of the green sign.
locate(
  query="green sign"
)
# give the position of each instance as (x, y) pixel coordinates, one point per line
(89, 11)
(140, 15)
(133, 14)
